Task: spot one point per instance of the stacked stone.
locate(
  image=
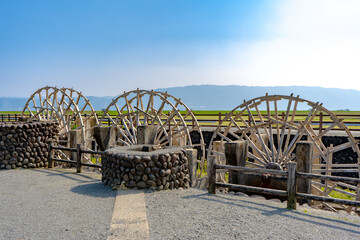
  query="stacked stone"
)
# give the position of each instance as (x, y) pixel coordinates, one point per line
(25, 144)
(153, 171)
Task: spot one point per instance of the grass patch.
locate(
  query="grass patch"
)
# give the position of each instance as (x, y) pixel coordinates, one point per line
(339, 195)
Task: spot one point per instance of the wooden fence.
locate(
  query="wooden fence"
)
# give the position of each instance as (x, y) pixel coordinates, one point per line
(213, 119)
(78, 150)
(10, 117)
(291, 176)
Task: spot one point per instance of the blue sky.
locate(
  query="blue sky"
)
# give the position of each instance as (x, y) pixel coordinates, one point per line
(107, 47)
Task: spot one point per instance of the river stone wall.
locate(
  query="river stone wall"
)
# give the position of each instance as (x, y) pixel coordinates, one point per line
(158, 170)
(25, 144)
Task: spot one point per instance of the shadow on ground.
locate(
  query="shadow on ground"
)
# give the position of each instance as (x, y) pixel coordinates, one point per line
(269, 210)
(89, 183)
(97, 189)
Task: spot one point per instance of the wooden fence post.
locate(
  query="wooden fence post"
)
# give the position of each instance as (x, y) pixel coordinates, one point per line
(236, 154)
(191, 154)
(291, 185)
(219, 121)
(50, 161)
(211, 161)
(320, 122)
(78, 158)
(304, 156)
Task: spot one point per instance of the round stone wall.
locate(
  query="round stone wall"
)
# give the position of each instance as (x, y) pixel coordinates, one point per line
(160, 169)
(25, 144)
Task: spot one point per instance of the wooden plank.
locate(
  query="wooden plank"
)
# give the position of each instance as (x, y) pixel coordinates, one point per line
(331, 178)
(255, 170)
(63, 160)
(335, 165)
(64, 148)
(218, 153)
(344, 170)
(328, 199)
(91, 165)
(252, 189)
(92, 152)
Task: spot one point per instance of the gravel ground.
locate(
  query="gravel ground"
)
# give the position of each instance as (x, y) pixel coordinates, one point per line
(59, 204)
(194, 214)
(54, 204)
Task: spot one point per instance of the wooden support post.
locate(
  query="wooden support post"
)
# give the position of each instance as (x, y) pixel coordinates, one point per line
(291, 186)
(219, 121)
(50, 157)
(236, 153)
(78, 158)
(191, 154)
(328, 165)
(211, 161)
(320, 122)
(304, 155)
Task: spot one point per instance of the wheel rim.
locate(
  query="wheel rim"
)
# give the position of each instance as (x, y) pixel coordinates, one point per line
(142, 107)
(272, 138)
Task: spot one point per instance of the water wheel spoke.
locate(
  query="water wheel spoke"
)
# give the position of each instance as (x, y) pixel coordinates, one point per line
(130, 136)
(255, 148)
(326, 130)
(271, 138)
(148, 108)
(291, 121)
(123, 133)
(282, 135)
(224, 137)
(259, 137)
(252, 156)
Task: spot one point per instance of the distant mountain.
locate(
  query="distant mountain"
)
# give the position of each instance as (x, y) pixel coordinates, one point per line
(214, 97)
(12, 103)
(100, 103)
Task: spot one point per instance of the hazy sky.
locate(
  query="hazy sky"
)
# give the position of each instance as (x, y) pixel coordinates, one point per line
(107, 47)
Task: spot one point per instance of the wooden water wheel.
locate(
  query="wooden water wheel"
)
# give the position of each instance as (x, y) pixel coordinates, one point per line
(272, 136)
(174, 121)
(66, 106)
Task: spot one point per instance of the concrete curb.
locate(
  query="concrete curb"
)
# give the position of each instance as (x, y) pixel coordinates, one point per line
(129, 219)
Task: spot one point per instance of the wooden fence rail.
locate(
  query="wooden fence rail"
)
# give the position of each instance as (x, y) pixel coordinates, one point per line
(78, 150)
(291, 191)
(213, 119)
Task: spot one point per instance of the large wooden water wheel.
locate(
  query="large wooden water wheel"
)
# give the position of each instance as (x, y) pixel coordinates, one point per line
(272, 136)
(174, 122)
(70, 108)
